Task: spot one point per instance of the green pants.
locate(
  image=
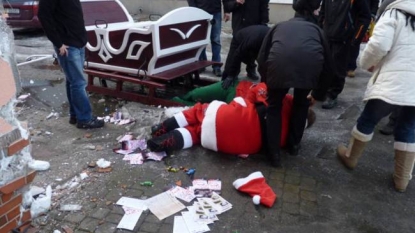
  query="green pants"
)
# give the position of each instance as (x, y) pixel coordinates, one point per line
(207, 94)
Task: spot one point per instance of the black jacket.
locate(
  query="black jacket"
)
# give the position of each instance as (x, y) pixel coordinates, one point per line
(63, 22)
(252, 12)
(333, 23)
(295, 54)
(210, 6)
(244, 46)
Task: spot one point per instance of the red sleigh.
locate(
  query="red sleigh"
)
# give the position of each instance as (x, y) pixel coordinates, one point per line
(150, 54)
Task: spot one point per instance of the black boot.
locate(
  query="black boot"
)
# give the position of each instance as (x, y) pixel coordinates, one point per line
(164, 127)
(169, 141)
(293, 150)
(275, 160)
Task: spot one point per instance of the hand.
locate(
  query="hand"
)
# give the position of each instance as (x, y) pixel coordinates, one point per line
(63, 50)
(240, 1)
(226, 17)
(311, 99)
(371, 69)
(227, 82)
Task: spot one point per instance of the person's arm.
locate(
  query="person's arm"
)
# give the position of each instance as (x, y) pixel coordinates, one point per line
(45, 14)
(264, 11)
(233, 62)
(229, 5)
(192, 3)
(380, 43)
(363, 20)
(263, 54)
(322, 14)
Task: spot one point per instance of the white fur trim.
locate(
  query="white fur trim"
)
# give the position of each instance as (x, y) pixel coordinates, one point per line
(404, 146)
(240, 101)
(361, 136)
(242, 181)
(256, 199)
(187, 138)
(181, 120)
(208, 137)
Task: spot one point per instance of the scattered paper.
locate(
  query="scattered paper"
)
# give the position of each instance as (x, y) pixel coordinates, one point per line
(186, 195)
(130, 218)
(133, 203)
(180, 225)
(163, 205)
(192, 226)
(157, 156)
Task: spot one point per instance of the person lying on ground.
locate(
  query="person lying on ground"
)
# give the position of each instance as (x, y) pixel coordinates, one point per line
(234, 128)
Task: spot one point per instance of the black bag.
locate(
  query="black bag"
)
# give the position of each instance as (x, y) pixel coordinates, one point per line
(338, 22)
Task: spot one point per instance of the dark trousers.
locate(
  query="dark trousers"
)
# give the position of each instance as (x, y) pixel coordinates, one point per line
(340, 54)
(297, 120)
(354, 53)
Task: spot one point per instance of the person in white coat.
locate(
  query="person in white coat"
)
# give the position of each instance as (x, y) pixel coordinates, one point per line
(390, 55)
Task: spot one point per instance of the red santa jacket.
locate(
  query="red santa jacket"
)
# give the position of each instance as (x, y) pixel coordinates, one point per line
(235, 128)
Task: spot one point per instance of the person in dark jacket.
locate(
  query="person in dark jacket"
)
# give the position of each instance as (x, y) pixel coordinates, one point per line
(335, 19)
(63, 23)
(214, 8)
(244, 48)
(355, 49)
(247, 13)
(294, 54)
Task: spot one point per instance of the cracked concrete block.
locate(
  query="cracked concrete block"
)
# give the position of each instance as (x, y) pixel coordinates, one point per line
(8, 86)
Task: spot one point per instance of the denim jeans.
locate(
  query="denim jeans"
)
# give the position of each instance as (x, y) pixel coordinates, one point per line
(214, 40)
(376, 109)
(72, 65)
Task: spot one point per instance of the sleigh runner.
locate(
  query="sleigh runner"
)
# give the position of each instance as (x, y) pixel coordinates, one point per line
(150, 53)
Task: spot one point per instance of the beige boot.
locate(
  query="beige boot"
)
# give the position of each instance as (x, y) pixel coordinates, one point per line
(404, 164)
(349, 156)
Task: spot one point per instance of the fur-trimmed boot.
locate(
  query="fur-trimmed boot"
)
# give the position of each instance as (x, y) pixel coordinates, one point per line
(174, 140)
(404, 164)
(350, 155)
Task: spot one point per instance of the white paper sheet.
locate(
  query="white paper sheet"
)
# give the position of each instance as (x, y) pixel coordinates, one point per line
(193, 226)
(133, 203)
(179, 225)
(186, 195)
(164, 205)
(130, 218)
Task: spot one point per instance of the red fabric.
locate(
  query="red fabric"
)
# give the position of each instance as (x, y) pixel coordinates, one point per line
(194, 117)
(260, 187)
(252, 92)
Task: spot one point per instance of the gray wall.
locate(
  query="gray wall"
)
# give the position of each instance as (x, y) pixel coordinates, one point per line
(278, 12)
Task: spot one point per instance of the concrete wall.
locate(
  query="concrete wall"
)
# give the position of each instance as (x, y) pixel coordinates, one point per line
(278, 12)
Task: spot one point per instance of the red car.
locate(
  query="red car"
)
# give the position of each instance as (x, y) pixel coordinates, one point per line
(22, 13)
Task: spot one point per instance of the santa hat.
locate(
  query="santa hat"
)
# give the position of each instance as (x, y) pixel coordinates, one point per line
(255, 185)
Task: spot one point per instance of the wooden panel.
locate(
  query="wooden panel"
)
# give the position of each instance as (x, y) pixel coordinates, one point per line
(170, 38)
(108, 11)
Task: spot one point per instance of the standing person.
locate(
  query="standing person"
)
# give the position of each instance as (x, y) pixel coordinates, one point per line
(214, 8)
(344, 23)
(389, 54)
(294, 54)
(63, 23)
(355, 48)
(246, 13)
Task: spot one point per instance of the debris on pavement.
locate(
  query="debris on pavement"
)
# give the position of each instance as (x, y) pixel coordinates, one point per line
(102, 163)
(42, 203)
(104, 170)
(39, 165)
(88, 135)
(53, 114)
(92, 164)
(67, 229)
(70, 207)
(147, 183)
(130, 218)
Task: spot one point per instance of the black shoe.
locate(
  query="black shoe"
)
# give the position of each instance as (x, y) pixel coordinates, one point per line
(293, 150)
(329, 103)
(170, 141)
(275, 160)
(72, 120)
(92, 124)
(253, 75)
(217, 72)
(168, 125)
(388, 129)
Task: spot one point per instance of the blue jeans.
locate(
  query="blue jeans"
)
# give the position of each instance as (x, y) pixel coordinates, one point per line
(72, 65)
(376, 109)
(214, 40)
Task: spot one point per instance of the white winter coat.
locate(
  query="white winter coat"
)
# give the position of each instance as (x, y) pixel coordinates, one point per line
(391, 50)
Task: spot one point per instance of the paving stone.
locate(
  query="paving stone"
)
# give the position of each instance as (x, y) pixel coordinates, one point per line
(166, 228)
(308, 208)
(74, 217)
(114, 195)
(152, 219)
(288, 219)
(149, 227)
(292, 173)
(290, 188)
(79, 231)
(100, 213)
(134, 193)
(137, 186)
(289, 179)
(277, 176)
(116, 209)
(106, 228)
(170, 220)
(89, 224)
(308, 184)
(113, 218)
(57, 215)
(276, 184)
(291, 197)
(291, 208)
(308, 196)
